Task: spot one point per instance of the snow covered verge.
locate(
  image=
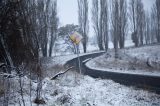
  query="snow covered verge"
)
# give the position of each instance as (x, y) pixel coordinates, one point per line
(143, 60)
(147, 53)
(73, 89)
(84, 91)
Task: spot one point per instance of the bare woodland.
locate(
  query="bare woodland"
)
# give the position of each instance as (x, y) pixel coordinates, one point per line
(117, 18)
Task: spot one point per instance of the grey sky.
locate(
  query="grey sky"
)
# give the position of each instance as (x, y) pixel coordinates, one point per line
(67, 10)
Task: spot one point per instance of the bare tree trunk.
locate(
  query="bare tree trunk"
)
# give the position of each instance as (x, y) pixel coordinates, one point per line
(21, 91)
(158, 19)
(122, 22)
(133, 20)
(51, 46)
(7, 55)
(95, 20)
(83, 21)
(100, 22)
(115, 25)
(54, 28)
(101, 26)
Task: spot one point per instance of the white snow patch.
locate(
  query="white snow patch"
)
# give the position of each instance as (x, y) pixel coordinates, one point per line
(124, 66)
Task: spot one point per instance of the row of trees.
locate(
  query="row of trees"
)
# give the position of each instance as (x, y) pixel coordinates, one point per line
(155, 20)
(34, 25)
(115, 19)
(145, 25)
(116, 23)
(119, 18)
(138, 16)
(100, 22)
(119, 23)
(25, 29)
(28, 30)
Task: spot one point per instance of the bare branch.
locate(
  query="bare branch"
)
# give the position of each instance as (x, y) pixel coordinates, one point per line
(60, 73)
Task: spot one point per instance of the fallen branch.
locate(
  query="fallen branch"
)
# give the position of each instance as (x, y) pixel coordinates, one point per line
(60, 73)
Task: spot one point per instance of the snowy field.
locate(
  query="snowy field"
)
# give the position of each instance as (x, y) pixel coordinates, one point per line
(132, 60)
(73, 89)
(147, 53)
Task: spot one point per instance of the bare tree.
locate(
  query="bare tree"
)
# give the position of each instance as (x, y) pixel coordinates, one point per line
(140, 22)
(105, 24)
(137, 17)
(119, 23)
(95, 21)
(122, 22)
(25, 27)
(115, 24)
(100, 22)
(133, 17)
(83, 21)
(148, 34)
(10, 34)
(64, 32)
(153, 25)
(53, 26)
(156, 13)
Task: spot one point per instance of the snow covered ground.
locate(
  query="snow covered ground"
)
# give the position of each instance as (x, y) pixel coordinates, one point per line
(73, 89)
(86, 91)
(147, 53)
(132, 60)
(95, 92)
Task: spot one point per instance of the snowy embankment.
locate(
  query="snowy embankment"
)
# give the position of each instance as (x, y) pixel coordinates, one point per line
(86, 91)
(73, 89)
(143, 60)
(147, 53)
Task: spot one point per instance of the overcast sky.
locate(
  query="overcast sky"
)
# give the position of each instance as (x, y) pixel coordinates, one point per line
(67, 10)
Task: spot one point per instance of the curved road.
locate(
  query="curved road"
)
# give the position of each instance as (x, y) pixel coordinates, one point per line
(148, 82)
